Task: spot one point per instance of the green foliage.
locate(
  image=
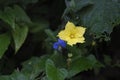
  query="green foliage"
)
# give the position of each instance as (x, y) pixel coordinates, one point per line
(50, 34)
(107, 60)
(19, 36)
(4, 43)
(82, 64)
(33, 67)
(35, 23)
(8, 17)
(53, 73)
(17, 20)
(98, 16)
(16, 76)
(20, 15)
(13, 16)
(4, 3)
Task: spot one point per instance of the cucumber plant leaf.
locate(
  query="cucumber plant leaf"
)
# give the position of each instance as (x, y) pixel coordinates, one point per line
(98, 16)
(19, 36)
(4, 43)
(54, 73)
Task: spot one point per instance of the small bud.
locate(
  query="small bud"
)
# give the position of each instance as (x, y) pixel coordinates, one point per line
(69, 60)
(70, 55)
(93, 43)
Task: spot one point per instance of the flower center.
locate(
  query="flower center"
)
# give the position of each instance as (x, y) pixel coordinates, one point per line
(72, 36)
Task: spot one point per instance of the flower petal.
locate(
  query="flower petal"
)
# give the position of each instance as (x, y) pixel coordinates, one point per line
(75, 41)
(64, 35)
(72, 34)
(81, 40)
(69, 26)
(80, 31)
(56, 45)
(72, 42)
(62, 43)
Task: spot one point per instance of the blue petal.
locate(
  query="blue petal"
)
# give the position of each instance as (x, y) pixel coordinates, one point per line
(56, 45)
(62, 43)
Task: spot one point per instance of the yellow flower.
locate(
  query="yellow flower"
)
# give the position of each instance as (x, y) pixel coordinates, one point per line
(72, 34)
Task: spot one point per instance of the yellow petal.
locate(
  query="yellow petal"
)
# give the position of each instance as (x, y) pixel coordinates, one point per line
(64, 35)
(69, 26)
(71, 29)
(72, 42)
(80, 31)
(81, 40)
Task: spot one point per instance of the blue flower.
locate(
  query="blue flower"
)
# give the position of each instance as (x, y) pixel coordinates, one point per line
(59, 44)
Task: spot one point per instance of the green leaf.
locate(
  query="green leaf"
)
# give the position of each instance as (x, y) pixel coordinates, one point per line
(107, 59)
(30, 70)
(44, 78)
(13, 15)
(39, 26)
(4, 43)
(20, 15)
(8, 16)
(50, 34)
(53, 73)
(18, 76)
(58, 59)
(19, 36)
(5, 78)
(98, 16)
(14, 76)
(82, 64)
(33, 67)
